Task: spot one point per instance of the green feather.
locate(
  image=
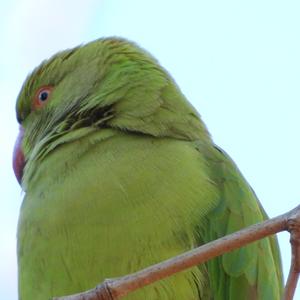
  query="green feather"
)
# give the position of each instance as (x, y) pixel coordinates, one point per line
(120, 174)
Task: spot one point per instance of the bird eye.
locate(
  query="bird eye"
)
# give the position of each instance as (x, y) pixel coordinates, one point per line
(42, 96)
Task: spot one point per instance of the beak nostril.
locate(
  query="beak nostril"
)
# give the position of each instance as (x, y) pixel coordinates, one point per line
(18, 156)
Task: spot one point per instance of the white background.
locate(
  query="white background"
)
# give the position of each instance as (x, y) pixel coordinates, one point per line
(236, 61)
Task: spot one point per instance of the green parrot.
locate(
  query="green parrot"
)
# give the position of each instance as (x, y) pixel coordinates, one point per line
(119, 172)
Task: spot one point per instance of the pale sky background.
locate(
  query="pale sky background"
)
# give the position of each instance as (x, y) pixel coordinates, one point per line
(236, 61)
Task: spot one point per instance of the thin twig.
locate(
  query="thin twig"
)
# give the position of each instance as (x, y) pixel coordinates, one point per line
(101, 292)
(113, 289)
(294, 229)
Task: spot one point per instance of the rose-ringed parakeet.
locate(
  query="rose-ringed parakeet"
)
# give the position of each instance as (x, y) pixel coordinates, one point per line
(120, 173)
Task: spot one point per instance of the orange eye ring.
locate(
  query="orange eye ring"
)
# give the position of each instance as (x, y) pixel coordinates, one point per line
(42, 96)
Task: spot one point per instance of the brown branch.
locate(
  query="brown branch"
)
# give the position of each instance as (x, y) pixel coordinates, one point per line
(294, 229)
(113, 289)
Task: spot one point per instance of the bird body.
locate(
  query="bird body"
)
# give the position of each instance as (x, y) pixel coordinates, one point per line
(120, 173)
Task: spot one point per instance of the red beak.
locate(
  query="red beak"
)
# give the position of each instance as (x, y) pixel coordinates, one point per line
(18, 156)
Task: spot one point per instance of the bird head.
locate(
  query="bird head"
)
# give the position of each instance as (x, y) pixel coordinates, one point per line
(107, 83)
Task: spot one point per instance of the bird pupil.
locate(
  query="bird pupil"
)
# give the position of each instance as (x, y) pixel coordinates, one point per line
(43, 96)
